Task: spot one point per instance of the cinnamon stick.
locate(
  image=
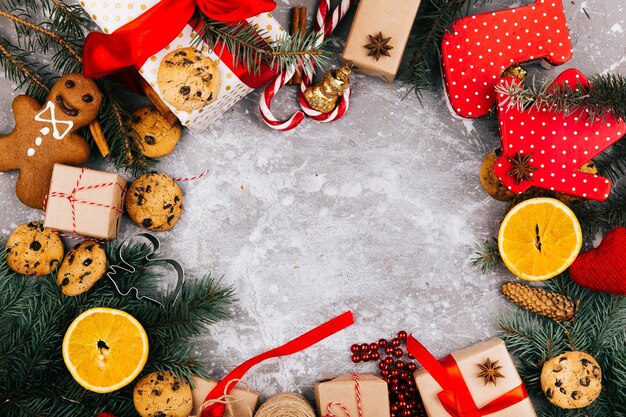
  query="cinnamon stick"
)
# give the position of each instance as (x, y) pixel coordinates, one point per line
(152, 95)
(99, 139)
(298, 28)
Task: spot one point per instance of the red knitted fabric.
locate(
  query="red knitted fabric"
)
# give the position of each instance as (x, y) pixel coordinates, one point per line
(103, 414)
(603, 268)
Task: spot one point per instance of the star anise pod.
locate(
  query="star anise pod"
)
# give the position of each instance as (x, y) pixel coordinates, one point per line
(522, 168)
(490, 372)
(378, 46)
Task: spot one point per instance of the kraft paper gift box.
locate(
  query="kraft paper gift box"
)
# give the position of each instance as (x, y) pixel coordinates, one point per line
(97, 211)
(240, 403)
(392, 18)
(374, 395)
(109, 15)
(482, 394)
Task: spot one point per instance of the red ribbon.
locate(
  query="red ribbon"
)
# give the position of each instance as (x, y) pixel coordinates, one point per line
(135, 42)
(455, 396)
(296, 345)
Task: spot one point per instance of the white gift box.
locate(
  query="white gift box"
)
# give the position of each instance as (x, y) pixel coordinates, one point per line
(112, 14)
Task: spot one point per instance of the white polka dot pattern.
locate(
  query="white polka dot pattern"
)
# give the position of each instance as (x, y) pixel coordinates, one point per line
(560, 144)
(112, 14)
(478, 48)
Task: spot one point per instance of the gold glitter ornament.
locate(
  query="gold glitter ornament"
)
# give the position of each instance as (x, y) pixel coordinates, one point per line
(515, 71)
(324, 95)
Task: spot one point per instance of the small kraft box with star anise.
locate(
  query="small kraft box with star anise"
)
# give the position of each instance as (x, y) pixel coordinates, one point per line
(379, 33)
(481, 378)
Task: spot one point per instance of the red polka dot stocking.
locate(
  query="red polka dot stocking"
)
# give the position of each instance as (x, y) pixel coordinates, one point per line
(558, 144)
(479, 48)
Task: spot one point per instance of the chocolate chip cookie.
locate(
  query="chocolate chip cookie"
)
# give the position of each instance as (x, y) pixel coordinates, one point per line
(154, 136)
(571, 380)
(82, 267)
(154, 201)
(161, 394)
(33, 250)
(188, 80)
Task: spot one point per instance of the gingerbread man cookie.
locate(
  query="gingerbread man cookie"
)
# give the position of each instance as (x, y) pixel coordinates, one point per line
(45, 135)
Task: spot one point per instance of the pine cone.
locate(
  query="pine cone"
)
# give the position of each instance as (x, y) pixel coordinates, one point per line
(553, 305)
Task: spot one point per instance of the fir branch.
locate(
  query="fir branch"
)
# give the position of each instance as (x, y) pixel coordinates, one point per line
(250, 47)
(599, 329)
(606, 95)
(487, 256)
(433, 20)
(48, 34)
(70, 17)
(16, 68)
(34, 316)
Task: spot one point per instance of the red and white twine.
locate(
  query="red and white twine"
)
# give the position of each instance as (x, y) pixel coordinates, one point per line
(359, 404)
(71, 198)
(325, 24)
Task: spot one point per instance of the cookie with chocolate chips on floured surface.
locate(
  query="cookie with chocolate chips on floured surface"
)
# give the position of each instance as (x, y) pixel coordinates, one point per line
(161, 394)
(154, 201)
(188, 80)
(33, 250)
(82, 267)
(571, 380)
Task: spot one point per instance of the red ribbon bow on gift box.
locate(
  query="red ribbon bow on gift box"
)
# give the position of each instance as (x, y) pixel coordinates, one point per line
(455, 396)
(223, 388)
(135, 42)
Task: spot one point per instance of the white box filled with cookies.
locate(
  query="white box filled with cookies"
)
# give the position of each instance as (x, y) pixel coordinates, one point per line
(197, 85)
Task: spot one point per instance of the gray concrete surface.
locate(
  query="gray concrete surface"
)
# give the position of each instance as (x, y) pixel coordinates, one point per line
(379, 213)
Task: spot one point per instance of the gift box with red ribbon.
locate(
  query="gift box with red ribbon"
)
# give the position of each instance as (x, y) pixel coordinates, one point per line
(479, 381)
(84, 202)
(140, 34)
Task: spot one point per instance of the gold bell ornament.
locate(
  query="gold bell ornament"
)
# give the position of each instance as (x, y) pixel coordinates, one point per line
(323, 96)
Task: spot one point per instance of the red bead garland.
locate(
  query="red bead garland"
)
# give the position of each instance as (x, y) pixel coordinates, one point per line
(404, 399)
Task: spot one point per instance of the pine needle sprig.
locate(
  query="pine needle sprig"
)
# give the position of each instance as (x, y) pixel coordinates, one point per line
(598, 329)
(34, 316)
(71, 17)
(18, 68)
(487, 256)
(38, 36)
(435, 17)
(605, 96)
(114, 112)
(251, 48)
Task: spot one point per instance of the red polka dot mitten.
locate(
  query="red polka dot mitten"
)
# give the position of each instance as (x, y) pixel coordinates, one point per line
(479, 48)
(603, 268)
(545, 148)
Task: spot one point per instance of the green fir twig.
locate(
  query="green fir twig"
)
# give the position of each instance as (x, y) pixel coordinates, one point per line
(599, 329)
(487, 256)
(34, 316)
(250, 47)
(605, 96)
(435, 17)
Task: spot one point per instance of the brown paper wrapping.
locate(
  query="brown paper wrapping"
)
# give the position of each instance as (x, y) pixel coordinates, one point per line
(374, 395)
(468, 360)
(394, 18)
(91, 221)
(242, 404)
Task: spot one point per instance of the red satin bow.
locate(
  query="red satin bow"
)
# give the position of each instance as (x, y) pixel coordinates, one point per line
(296, 345)
(139, 39)
(455, 397)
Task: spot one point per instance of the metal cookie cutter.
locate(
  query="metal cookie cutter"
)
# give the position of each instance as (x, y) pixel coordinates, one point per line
(150, 257)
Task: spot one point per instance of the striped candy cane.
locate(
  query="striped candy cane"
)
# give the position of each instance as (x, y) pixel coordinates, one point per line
(324, 25)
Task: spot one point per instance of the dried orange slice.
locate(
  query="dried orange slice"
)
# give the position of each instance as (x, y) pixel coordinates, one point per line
(105, 349)
(539, 238)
